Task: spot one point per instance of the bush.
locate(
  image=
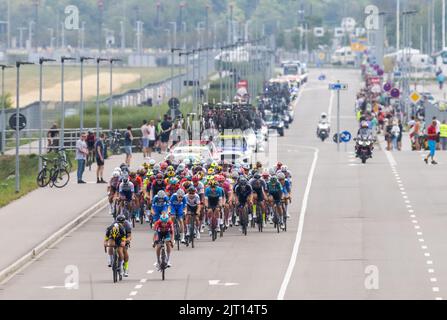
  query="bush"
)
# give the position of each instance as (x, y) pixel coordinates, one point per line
(8, 99)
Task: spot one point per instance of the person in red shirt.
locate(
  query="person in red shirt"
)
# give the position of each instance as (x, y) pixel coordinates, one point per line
(164, 230)
(432, 136)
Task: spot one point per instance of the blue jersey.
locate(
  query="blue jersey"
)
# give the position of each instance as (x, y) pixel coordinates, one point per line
(160, 204)
(214, 195)
(286, 187)
(176, 204)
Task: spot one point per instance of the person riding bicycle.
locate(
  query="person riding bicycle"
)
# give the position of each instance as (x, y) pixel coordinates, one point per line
(126, 190)
(112, 189)
(275, 192)
(243, 192)
(160, 205)
(193, 206)
(158, 185)
(178, 205)
(259, 187)
(164, 231)
(286, 189)
(213, 201)
(116, 236)
(136, 180)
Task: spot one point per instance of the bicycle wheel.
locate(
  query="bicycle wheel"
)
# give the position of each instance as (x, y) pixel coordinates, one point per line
(191, 232)
(43, 178)
(163, 263)
(259, 218)
(60, 177)
(115, 267)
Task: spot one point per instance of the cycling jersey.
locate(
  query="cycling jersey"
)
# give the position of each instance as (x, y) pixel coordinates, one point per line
(159, 205)
(177, 207)
(163, 232)
(138, 183)
(275, 190)
(259, 186)
(156, 187)
(114, 184)
(286, 189)
(200, 188)
(214, 196)
(243, 193)
(126, 190)
(116, 232)
(192, 202)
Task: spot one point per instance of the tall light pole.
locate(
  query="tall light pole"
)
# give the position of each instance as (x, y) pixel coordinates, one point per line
(3, 107)
(443, 24)
(98, 61)
(81, 105)
(41, 62)
(398, 25)
(9, 24)
(18, 65)
(63, 59)
(173, 50)
(174, 28)
(111, 93)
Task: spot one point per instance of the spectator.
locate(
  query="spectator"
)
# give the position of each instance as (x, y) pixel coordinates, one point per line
(81, 156)
(432, 136)
(395, 132)
(145, 138)
(128, 139)
(399, 138)
(438, 132)
(100, 156)
(388, 135)
(440, 78)
(159, 100)
(152, 137)
(166, 128)
(52, 135)
(415, 132)
(443, 135)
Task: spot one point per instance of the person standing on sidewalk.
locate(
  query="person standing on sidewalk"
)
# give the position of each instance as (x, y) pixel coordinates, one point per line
(81, 156)
(432, 137)
(152, 137)
(443, 135)
(100, 156)
(145, 139)
(128, 139)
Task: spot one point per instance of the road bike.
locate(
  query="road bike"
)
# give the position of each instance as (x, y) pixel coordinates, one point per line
(115, 264)
(114, 142)
(56, 176)
(177, 232)
(163, 258)
(258, 216)
(214, 224)
(192, 225)
(243, 217)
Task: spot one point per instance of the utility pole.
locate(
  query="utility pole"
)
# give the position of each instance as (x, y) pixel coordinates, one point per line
(398, 25)
(9, 24)
(443, 24)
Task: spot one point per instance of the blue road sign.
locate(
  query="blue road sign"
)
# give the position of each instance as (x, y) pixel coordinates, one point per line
(345, 136)
(338, 86)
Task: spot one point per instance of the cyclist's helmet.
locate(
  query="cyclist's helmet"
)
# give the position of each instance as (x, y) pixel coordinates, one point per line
(164, 218)
(265, 175)
(161, 194)
(121, 218)
(196, 179)
(149, 173)
(163, 166)
(273, 179)
(220, 178)
(115, 174)
(279, 165)
(281, 176)
(186, 185)
(284, 168)
(192, 190)
(125, 178)
(171, 174)
(171, 168)
(235, 175)
(152, 162)
(272, 171)
(257, 176)
(180, 193)
(173, 181)
(157, 167)
(213, 165)
(243, 181)
(219, 169)
(258, 165)
(133, 174)
(210, 171)
(181, 167)
(213, 183)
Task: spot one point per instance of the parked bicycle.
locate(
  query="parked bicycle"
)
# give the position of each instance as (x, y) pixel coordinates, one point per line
(57, 176)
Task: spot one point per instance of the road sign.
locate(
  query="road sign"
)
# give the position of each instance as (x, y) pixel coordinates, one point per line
(190, 83)
(387, 87)
(322, 77)
(338, 86)
(375, 80)
(415, 97)
(395, 93)
(13, 122)
(335, 138)
(174, 103)
(345, 136)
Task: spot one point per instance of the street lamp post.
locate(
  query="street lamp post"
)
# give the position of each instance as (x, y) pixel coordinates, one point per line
(3, 107)
(18, 65)
(111, 93)
(41, 62)
(173, 50)
(81, 105)
(98, 61)
(63, 59)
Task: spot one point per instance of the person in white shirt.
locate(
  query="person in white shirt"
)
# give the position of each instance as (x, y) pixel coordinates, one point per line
(152, 137)
(145, 138)
(81, 156)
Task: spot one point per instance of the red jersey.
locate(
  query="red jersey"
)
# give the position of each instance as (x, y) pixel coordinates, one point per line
(431, 132)
(168, 228)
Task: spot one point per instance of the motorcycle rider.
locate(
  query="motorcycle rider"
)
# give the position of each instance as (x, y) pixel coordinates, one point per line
(364, 131)
(323, 123)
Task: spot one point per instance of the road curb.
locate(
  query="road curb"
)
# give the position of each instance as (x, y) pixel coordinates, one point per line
(50, 241)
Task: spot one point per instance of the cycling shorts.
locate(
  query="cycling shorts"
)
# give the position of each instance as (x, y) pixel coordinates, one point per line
(277, 196)
(127, 195)
(192, 209)
(177, 211)
(158, 211)
(163, 235)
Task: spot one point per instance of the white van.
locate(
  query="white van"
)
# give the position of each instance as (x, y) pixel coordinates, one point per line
(343, 56)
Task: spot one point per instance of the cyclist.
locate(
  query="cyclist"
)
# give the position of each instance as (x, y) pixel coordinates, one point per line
(157, 185)
(116, 236)
(126, 191)
(112, 189)
(200, 188)
(286, 190)
(164, 231)
(193, 205)
(160, 205)
(213, 201)
(225, 184)
(275, 192)
(243, 193)
(178, 205)
(259, 187)
(138, 186)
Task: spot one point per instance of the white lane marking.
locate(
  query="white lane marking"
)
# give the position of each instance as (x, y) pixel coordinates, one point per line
(150, 271)
(417, 227)
(424, 247)
(133, 293)
(429, 262)
(129, 298)
(419, 233)
(414, 221)
(431, 270)
(427, 254)
(433, 280)
(218, 283)
(435, 289)
(412, 216)
(438, 298)
(143, 280)
(421, 240)
(299, 232)
(138, 286)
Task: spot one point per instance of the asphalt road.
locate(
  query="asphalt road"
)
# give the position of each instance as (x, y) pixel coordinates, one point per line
(373, 231)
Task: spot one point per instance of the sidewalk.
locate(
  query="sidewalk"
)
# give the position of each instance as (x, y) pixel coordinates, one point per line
(38, 215)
